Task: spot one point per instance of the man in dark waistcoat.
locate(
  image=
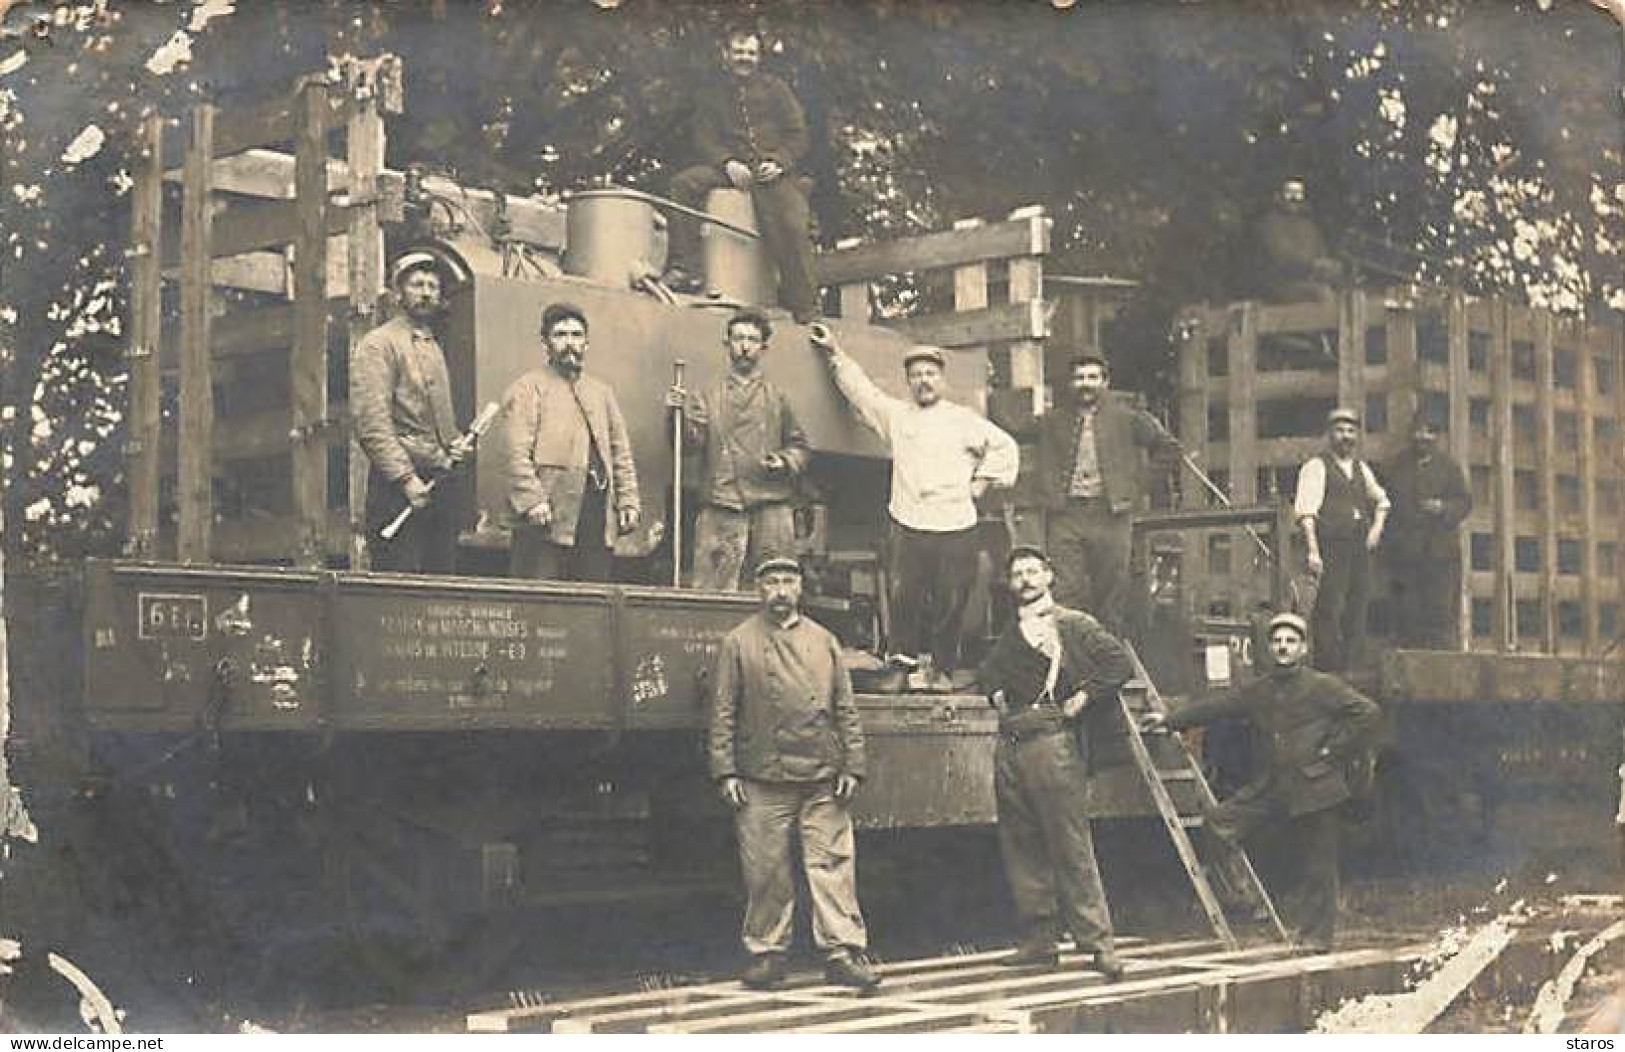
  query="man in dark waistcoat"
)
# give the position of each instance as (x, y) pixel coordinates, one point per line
(786, 751)
(1050, 663)
(1313, 729)
(1342, 510)
(1422, 543)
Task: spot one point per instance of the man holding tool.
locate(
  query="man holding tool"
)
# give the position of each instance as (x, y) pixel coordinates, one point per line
(400, 402)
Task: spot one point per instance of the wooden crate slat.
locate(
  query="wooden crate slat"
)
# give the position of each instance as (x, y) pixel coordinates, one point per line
(996, 324)
(194, 489)
(1027, 236)
(307, 364)
(365, 280)
(265, 538)
(146, 330)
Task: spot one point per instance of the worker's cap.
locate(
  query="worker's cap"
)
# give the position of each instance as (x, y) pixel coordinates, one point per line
(1292, 621)
(777, 564)
(448, 270)
(1342, 414)
(1025, 551)
(924, 352)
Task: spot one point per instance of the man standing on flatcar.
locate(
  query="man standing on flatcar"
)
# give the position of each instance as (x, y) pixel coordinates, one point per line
(1341, 509)
(786, 751)
(572, 485)
(1315, 730)
(944, 458)
(749, 132)
(1423, 543)
(400, 401)
(1049, 665)
(754, 453)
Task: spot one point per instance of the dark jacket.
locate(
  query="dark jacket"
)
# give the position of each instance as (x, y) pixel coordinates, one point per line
(1413, 534)
(1311, 727)
(782, 709)
(1124, 433)
(736, 433)
(750, 119)
(1092, 659)
(400, 401)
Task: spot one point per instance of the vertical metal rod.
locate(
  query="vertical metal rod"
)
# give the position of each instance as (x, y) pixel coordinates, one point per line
(677, 481)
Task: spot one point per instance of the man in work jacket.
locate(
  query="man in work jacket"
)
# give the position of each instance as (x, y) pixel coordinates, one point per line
(400, 400)
(572, 486)
(1094, 475)
(754, 452)
(1313, 729)
(944, 457)
(749, 133)
(1342, 510)
(1048, 665)
(1422, 542)
(786, 750)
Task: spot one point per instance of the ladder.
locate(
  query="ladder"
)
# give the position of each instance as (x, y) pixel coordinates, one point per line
(1178, 825)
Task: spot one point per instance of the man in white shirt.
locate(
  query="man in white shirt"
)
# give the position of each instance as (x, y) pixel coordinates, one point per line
(944, 457)
(1341, 509)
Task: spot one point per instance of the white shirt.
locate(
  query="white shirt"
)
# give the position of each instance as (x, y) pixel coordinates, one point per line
(937, 451)
(1037, 623)
(1312, 486)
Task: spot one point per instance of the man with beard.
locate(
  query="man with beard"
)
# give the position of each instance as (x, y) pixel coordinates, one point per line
(1431, 500)
(1313, 727)
(944, 457)
(786, 750)
(400, 401)
(1094, 473)
(754, 452)
(1342, 510)
(1297, 268)
(1047, 666)
(572, 486)
(748, 133)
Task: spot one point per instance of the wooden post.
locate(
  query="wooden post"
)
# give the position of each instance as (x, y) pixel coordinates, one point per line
(1243, 398)
(195, 469)
(970, 280)
(1461, 444)
(1193, 405)
(1506, 510)
(1404, 374)
(1546, 475)
(1351, 351)
(365, 147)
(1586, 405)
(146, 324)
(855, 301)
(1027, 286)
(1614, 460)
(307, 363)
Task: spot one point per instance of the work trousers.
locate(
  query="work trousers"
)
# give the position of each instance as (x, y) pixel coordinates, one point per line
(772, 813)
(1425, 597)
(427, 543)
(935, 572)
(1041, 785)
(1337, 630)
(1089, 549)
(1311, 841)
(782, 218)
(724, 536)
(535, 556)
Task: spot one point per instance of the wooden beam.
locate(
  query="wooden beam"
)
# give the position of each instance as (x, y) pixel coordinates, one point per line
(1586, 398)
(264, 539)
(1351, 351)
(1546, 478)
(1282, 385)
(266, 124)
(246, 226)
(970, 297)
(262, 434)
(271, 272)
(1028, 236)
(1404, 372)
(1459, 387)
(307, 365)
(146, 327)
(969, 328)
(1193, 410)
(1243, 399)
(1026, 287)
(365, 146)
(194, 489)
(1505, 617)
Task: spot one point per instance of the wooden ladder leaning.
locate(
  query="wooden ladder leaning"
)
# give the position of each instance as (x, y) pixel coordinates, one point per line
(1178, 825)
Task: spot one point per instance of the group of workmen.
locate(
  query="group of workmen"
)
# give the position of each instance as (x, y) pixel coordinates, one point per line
(786, 743)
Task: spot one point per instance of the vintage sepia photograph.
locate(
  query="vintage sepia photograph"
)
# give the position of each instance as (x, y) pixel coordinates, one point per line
(812, 516)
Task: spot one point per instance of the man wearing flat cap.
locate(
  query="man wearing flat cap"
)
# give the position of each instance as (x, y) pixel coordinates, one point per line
(1314, 730)
(572, 485)
(1423, 542)
(944, 457)
(1049, 666)
(786, 751)
(1341, 509)
(401, 405)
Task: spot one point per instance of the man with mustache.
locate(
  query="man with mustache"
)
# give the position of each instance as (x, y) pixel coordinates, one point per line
(1313, 727)
(1093, 470)
(748, 132)
(944, 458)
(1422, 545)
(1046, 668)
(786, 750)
(400, 400)
(572, 485)
(754, 452)
(1342, 510)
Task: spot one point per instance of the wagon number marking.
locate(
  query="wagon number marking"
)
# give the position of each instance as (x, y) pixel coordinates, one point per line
(164, 615)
